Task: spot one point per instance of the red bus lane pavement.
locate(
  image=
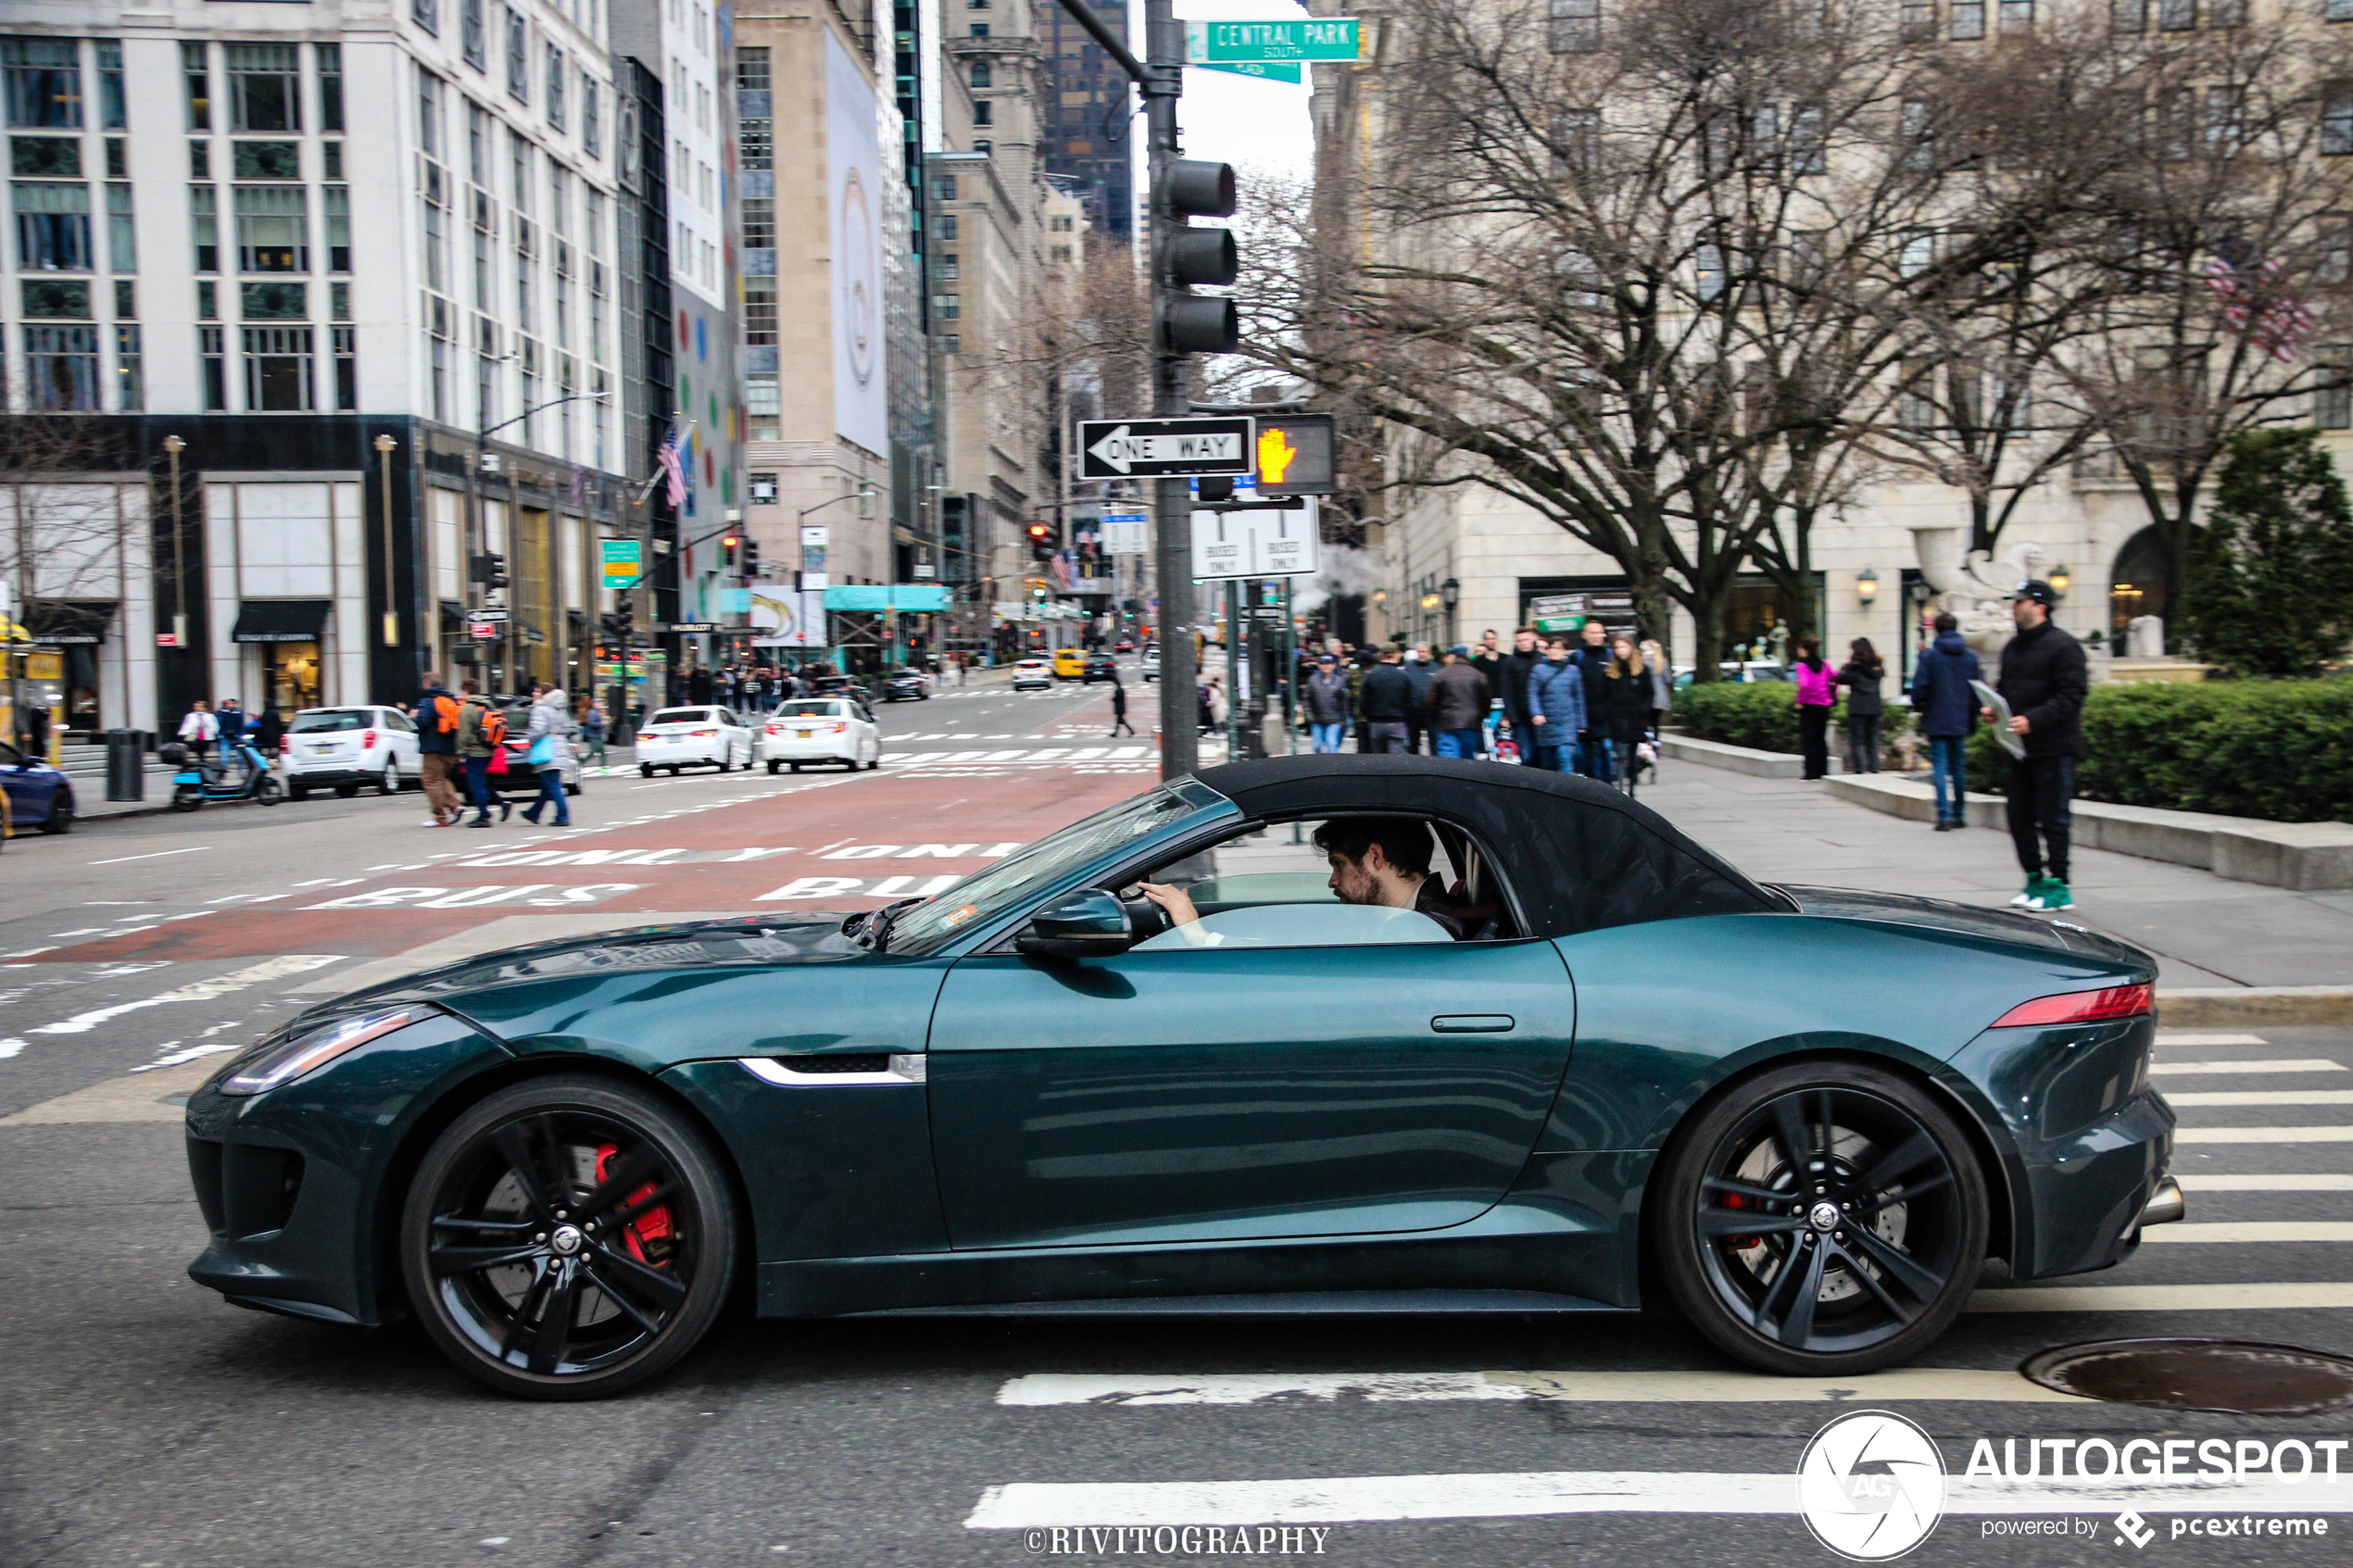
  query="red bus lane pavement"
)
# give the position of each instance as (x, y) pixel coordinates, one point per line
(801, 847)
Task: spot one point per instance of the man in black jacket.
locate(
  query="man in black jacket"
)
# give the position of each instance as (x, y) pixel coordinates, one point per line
(1592, 659)
(2044, 681)
(1386, 699)
(1513, 671)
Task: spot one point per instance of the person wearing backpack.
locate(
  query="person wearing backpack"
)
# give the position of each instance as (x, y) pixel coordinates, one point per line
(481, 729)
(437, 753)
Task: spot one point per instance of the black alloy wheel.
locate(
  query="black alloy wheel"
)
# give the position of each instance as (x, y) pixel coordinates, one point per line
(568, 1238)
(1822, 1219)
(60, 818)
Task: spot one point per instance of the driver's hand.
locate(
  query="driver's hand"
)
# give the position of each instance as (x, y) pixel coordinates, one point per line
(1175, 902)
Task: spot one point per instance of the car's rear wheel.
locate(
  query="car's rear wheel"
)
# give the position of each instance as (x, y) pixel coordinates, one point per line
(644, 770)
(298, 790)
(346, 791)
(567, 1239)
(1822, 1219)
(388, 781)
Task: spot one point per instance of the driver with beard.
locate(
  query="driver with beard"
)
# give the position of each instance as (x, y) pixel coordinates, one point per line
(1379, 861)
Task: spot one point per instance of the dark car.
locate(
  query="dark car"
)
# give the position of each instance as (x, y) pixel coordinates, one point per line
(1589, 1063)
(39, 796)
(521, 777)
(1100, 667)
(906, 685)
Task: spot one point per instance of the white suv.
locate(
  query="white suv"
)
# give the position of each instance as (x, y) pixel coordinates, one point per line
(345, 747)
(1033, 674)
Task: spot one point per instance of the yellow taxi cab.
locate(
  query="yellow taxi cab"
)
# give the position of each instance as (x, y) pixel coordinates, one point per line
(1070, 664)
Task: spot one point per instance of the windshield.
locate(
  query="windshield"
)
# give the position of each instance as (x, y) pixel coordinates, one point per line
(681, 716)
(921, 928)
(807, 708)
(331, 719)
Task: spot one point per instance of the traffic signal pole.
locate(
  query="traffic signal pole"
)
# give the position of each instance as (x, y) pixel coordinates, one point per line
(1161, 78)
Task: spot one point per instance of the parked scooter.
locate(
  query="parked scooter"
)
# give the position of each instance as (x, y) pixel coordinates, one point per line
(196, 782)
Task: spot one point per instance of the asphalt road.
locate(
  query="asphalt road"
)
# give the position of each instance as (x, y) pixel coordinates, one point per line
(144, 1424)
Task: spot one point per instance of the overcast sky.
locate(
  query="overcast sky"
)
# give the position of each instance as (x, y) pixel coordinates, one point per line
(1245, 121)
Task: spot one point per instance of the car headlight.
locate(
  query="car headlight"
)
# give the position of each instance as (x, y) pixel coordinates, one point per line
(290, 1058)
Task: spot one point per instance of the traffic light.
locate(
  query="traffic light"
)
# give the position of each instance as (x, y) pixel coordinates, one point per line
(727, 548)
(1041, 541)
(751, 558)
(494, 570)
(1191, 257)
(1294, 456)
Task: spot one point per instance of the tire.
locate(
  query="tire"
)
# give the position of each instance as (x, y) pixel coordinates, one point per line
(523, 1164)
(571, 789)
(298, 790)
(60, 818)
(644, 770)
(774, 768)
(388, 783)
(346, 791)
(872, 765)
(270, 791)
(187, 797)
(796, 767)
(1880, 1293)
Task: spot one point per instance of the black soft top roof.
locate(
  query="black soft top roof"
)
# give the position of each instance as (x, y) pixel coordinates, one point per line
(1583, 855)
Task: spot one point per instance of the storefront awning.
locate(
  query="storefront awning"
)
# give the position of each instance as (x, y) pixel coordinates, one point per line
(68, 623)
(281, 620)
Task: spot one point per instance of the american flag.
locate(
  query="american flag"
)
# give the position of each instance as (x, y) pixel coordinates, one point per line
(672, 469)
(2258, 304)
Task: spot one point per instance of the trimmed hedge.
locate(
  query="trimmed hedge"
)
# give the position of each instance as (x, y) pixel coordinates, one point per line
(1763, 715)
(2279, 751)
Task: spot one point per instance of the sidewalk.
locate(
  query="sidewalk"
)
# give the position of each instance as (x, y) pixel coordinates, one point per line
(2206, 930)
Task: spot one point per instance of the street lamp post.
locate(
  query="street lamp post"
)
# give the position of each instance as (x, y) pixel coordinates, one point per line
(384, 443)
(473, 494)
(1449, 593)
(173, 446)
(865, 489)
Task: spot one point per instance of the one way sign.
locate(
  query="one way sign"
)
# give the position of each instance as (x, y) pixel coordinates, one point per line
(1151, 449)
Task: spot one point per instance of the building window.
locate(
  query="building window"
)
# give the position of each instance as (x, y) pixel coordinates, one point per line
(2336, 118)
(279, 368)
(273, 228)
(45, 83)
(947, 269)
(469, 33)
(265, 86)
(592, 129)
(982, 75)
(123, 241)
(61, 368)
(555, 87)
(756, 143)
(2337, 11)
(517, 58)
(980, 30)
(752, 70)
(985, 113)
(1577, 26)
(266, 160)
(429, 113)
(984, 147)
(45, 158)
(209, 355)
(518, 170)
(205, 224)
(427, 15)
(114, 106)
(1707, 259)
(130, 386)
(522, 292)
(763, 400)
(126, 300)
(759, 224)
(1916, 22)
(330, 60)
(192, 70)
(346, 356)
(2017, 17)
(118, 158)
(945, 227)
(2333, 404)
(200, 160)
(339, 301)
(51, 299)
(1969, 19)
(951, 343)
(760, 312)
(944, 189)
(2333, 264)
(52, 227)
(2176, 16)
(338, 210)
(947, 306)
(273, 302)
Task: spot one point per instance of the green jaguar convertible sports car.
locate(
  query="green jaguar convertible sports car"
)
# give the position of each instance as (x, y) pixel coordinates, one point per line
(1310, 1035)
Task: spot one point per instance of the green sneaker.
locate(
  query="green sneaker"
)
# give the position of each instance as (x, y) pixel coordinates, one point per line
(2053, 896)
(2031, 891)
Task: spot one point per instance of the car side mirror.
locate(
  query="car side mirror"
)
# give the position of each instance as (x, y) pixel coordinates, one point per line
(1088, 923)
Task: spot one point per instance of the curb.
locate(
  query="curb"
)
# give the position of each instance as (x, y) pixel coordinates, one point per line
(2282, 1007)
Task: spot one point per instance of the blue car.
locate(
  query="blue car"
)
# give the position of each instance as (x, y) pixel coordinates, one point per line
(39, 796)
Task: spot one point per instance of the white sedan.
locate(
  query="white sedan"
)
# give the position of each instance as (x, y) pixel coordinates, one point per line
(1033, 674)
(821, 729)
(695, 737)
(345, 748)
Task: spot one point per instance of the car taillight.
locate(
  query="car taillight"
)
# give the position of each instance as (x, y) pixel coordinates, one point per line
(702, 735)
(368, 741)
(2081, 1006)
(284, 746)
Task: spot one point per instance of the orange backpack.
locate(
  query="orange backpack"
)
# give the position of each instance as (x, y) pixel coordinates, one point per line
(494, 726)
(445, 715)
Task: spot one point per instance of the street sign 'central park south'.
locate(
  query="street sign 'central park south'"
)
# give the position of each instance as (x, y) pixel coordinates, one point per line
(1318, 38)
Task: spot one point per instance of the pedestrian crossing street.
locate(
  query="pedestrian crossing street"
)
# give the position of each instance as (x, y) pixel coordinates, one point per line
(2252, 1191)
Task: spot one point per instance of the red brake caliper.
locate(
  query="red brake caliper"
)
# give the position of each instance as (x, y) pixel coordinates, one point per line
(650, 1232)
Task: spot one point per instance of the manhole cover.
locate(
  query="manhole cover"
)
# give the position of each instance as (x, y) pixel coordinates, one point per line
(2199, 1374)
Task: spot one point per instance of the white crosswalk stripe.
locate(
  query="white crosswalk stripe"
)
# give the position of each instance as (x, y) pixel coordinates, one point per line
(2291, 1064)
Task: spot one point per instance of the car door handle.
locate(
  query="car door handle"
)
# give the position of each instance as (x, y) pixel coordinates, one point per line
(1473, 1024)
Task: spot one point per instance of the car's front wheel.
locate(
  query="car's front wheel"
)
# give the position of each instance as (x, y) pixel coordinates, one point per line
(568, 1237)
(60, 818)
(1822, 1219)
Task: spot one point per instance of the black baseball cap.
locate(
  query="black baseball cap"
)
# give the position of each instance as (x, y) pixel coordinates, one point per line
(2042, 592)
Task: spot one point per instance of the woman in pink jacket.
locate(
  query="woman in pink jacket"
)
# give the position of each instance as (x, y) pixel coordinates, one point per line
(1817, 694)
